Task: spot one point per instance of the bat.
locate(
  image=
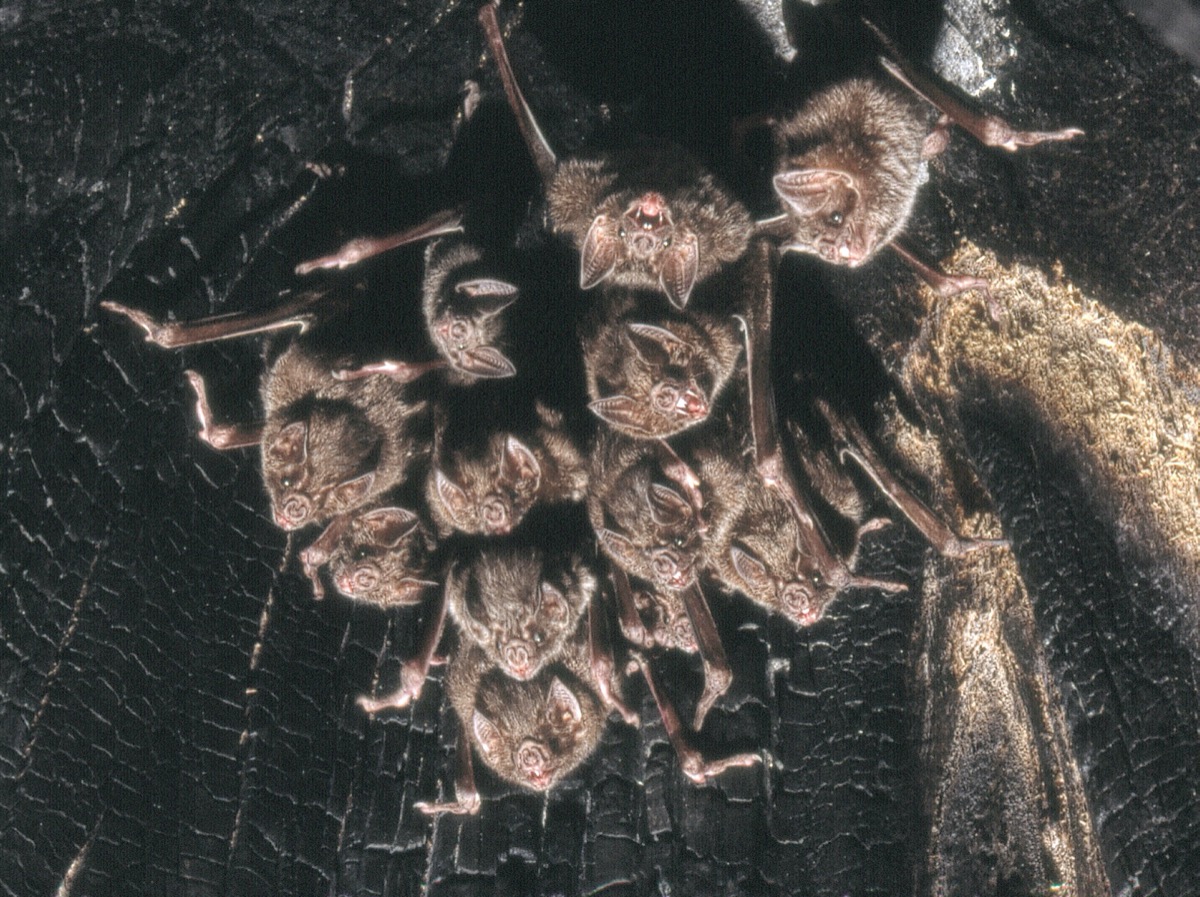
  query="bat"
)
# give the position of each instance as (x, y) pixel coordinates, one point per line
(851, 160)
(487, 476)
(646, 216)
(519, 600)
(653, 375)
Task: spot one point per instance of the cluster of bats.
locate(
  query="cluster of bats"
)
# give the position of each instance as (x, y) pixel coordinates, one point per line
(453, 481)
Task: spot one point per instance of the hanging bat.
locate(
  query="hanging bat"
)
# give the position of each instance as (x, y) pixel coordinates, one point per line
(647, 216)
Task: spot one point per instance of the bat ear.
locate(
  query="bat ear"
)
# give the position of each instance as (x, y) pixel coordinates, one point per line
(486, 362)
(620, 548)
(554, 603)
(519, 465)
(562, 707)
(808, 190)
(489, 296)
(353, 493)
(291, 445)
(750, 569)
(387, 526)
(454, 499)
(649, 340)
(487, 736)
(667, 507)
(681, 266)
(599, 253)
(621, 412)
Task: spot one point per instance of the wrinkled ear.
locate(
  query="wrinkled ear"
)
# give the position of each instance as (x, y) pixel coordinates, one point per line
(668, 507)
(554, 602)
(599, 254)
(487, 736)
(489, 296)
(387, 526)
(750, 569)
(562, 706)
(454, 499)
(651, 342)
(621, 412)
(620, 548)
(408, 592)
(807, 190)
(291, 445)
(486, 362)
(354, 492)
(681, 266)
(519, 465)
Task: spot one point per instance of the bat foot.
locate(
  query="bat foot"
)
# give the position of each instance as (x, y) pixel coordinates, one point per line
(699, 771)
(997, 132)
(465, 806)
(397, 700)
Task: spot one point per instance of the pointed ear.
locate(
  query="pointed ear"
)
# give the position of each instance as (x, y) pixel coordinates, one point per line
(651, 342)
(486, 362)
(621, 412)
(562, 706)
(554, 602)
(599, 254)
(807, 190)
(489, 296)
(519, 465)
(681, 267)
(387, 526)
(668, 507)
(354, 492)
(454, 499)
(487, 737)
(619, 548)
(750, 569)
(291, 445)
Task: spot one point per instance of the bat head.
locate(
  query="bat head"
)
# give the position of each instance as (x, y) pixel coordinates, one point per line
(799, 597)
(383, 558)
(519, 606)
(665, 618)
(489, 495)
(828, 214)
(643, 246)
(467, 328)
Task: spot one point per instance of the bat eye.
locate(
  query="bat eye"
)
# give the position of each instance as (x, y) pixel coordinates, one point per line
(538, 638)
(836, 219)
(360, 552)
(287, 482)
(666, 242)
(679, 541)
(621, 232)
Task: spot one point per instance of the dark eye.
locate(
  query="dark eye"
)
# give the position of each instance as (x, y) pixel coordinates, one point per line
(836, 219)
(621, 232)
(360, 552)
(286, 482)
(679, 541)
(538, 638)
(666, 242)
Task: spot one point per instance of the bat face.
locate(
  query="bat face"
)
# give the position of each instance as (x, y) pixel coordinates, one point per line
(643, 244)
(488, 495)
(534, 733)
(828, 215)
(651, 381)
(519, 605)
(666, 620)
(657, 540)
(462, 308)
(312, 468)
(787, 590)
(383, 558)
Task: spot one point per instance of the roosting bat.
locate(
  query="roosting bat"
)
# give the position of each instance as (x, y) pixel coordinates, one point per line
(495, 460)
(519, 598)
(852, 158)
(329, 446)
(647, 216)
(652, 375)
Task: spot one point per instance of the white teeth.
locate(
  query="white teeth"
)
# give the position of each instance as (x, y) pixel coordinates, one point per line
(844, 251)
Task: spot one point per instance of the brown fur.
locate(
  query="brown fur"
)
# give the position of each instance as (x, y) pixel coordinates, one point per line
(874, 135)
(375, 564)
(490, 492)
(519, 603)
(523, 714)
(584, 188)
(354, 441)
